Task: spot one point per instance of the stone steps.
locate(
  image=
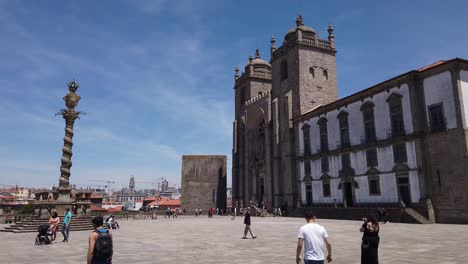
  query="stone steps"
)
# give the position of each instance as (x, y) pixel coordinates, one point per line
(417, 216)
(80, 223)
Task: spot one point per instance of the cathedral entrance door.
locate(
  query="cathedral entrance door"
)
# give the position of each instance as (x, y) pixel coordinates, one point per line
(348, 193)
(404, 190)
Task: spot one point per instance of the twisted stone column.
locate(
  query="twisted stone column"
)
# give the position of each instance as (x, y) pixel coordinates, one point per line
(70, 116)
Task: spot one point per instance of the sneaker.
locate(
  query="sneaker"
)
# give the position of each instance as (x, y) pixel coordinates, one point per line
(254, 237)
(244, 238)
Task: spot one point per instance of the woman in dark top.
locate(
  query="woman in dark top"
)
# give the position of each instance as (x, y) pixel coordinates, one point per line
(247, 225)
(370, 241)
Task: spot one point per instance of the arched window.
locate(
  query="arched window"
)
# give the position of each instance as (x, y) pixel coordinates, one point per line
(312, 72)
(306, 139)
(284, 70)
(325, 75)
(261, 140)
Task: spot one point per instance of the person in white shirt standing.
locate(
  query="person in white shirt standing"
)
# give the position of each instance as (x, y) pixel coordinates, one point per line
(314, 237)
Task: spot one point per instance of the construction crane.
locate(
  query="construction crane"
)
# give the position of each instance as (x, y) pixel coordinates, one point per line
(108, 182)
(107, 187)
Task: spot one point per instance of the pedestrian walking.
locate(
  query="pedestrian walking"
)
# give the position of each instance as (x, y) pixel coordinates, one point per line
(66, 225)
(370, 241)
(313, 237)
(247, 225)
(100, 248)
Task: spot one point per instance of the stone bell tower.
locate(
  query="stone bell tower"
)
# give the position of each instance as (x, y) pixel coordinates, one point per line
(250, 165)
(303, 78)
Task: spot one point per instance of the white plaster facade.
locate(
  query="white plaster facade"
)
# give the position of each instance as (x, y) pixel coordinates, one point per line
(464, 95)
(386, 164)
(438, 89)
(355, 120)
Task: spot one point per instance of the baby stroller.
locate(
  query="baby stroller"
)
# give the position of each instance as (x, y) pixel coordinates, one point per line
(45, 235)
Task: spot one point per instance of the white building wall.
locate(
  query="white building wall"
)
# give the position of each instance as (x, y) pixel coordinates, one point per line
(388, 184)
(438, 89)
(356, 122)
(464, 95)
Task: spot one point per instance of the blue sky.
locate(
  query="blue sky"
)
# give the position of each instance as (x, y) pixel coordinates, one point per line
(156, 77)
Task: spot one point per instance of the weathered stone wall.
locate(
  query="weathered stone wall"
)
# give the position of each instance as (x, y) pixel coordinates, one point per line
(203, 182)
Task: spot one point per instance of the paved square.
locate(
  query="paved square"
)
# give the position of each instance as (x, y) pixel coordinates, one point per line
(218, 240)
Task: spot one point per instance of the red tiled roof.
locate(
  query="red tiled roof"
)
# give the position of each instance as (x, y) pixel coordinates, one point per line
(153, 203)
(97, 209)
(170, 203)
(432, 65)
(114, 209)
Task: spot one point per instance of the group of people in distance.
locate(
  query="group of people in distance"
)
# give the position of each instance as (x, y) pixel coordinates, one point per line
(172, 212)
(313, 237)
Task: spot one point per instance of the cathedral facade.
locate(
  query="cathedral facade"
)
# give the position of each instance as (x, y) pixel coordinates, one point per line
(402, 142)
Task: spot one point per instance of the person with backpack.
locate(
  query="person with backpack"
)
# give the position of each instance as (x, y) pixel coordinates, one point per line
(100, 248)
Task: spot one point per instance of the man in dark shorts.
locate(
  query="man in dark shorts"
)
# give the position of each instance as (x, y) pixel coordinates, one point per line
(247, 225)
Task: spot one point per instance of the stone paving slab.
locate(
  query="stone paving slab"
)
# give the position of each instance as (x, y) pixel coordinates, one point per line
(201, 240)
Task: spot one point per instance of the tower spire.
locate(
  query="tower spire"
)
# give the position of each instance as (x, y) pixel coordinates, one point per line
(236, 76)
(257, 54)
(299, 21)
(331, 37)
(273, 46)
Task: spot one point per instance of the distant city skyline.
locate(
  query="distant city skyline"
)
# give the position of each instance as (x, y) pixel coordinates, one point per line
(156, 77)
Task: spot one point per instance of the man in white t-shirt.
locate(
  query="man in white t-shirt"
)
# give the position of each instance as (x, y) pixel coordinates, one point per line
(314, 237)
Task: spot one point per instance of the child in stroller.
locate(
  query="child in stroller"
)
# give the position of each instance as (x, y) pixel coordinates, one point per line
(45, 235)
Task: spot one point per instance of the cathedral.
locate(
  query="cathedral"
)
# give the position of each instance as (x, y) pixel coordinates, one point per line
(402, 142)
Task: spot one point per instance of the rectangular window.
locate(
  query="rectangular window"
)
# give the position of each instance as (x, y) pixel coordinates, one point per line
(307, 169)
(374, 185)
(323, 138)
(306, 141)
(344, 129)
(371, 157)
(324, 163)
(369, 125)
(326, 188)
(396, 115)
(345, 160)
(437, 117)
(399, 153)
